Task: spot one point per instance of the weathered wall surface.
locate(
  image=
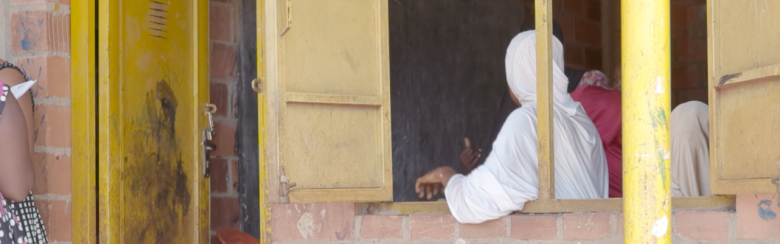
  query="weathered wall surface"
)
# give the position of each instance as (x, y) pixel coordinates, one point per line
(754, 221)
(35, 35)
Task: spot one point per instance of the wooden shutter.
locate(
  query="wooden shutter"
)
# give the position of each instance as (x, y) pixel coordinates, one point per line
(744, 94)
(327, 97)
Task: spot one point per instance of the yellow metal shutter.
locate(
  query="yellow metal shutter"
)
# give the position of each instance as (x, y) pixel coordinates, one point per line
(326, 114)
(744, 82)
(152, 88)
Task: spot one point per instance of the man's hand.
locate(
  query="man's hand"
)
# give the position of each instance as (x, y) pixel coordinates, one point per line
(469, 157)
(428, 184)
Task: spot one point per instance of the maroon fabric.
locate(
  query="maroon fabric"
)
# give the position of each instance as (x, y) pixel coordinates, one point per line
(603, 108)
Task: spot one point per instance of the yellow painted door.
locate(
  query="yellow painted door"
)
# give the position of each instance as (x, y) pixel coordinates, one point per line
(152, 91)
(325, 100)
(744, 83)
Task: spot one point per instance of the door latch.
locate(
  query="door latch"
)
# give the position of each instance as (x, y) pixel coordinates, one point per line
(208, 135)
(285, 187)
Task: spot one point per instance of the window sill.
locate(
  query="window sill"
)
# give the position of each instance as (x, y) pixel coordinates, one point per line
(550, 206)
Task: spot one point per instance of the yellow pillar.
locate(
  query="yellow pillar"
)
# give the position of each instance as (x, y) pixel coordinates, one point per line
(544, 129)
(646, 111)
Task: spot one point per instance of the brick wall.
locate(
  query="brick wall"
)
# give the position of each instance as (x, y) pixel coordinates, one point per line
(37, 38)
(689, 51)
(581, 23)
(224, 34)
(754, 221)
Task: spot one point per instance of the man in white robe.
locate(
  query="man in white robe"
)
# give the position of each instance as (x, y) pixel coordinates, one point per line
(508, 178)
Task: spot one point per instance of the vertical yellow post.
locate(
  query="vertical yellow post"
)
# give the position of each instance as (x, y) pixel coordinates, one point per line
(265, 206)
(83, 132)
(544, 130)
(646, 110)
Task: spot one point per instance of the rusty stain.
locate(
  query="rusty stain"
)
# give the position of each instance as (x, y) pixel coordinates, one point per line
(159, 198)
(726, 78)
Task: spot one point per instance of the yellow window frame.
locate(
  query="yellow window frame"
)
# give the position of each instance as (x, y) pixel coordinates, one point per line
(546, 202)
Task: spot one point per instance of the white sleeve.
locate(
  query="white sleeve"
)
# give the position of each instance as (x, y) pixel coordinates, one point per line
(468, 204)
(505, 182)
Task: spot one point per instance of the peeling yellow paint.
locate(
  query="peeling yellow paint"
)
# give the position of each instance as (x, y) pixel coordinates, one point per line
(150, 116)
(646, 110)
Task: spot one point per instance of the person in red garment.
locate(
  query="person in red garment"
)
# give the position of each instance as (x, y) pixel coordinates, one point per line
(602, 104)
(688, 127)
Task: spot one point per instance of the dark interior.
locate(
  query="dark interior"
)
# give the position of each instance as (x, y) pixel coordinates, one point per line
(447, 77)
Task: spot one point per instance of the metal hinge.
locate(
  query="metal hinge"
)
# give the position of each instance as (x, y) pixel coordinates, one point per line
(208, 135)
(285, 187)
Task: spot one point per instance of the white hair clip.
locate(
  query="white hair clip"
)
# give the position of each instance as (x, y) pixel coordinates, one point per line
(20, 89)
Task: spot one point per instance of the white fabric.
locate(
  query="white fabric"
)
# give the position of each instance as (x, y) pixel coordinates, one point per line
(508, 178)
(690, 161)
(19, 89)
(520, 65)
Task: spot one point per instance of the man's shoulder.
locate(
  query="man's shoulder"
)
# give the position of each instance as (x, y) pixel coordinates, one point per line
(524, 116)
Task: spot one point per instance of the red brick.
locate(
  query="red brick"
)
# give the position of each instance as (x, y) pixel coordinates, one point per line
(223, 61)
(490, 229)
(234, 176)
(586, 226)
(52, 73)
(681, 13)
(381, 227)
(225, 139)
(37, 30)
(567, 26)
(572, 7)
(703, 225)
(534, 227)
(588, 33)
(592, 10)
(699, 27)
(679, 32)
(687, 76)
(757, 217)
(220, 23)
(52, 126)
(557, 5)
(218, 168)
(312, 222)
(224, 213)
(686, 95)
(56, 215)
(593, 58)
(573, 55)
(218, 95)
(233, 99)
(689, 50)
(432, 226)
(52, 174)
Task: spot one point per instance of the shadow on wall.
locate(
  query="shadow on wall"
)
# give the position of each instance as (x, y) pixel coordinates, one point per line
(447, 77)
